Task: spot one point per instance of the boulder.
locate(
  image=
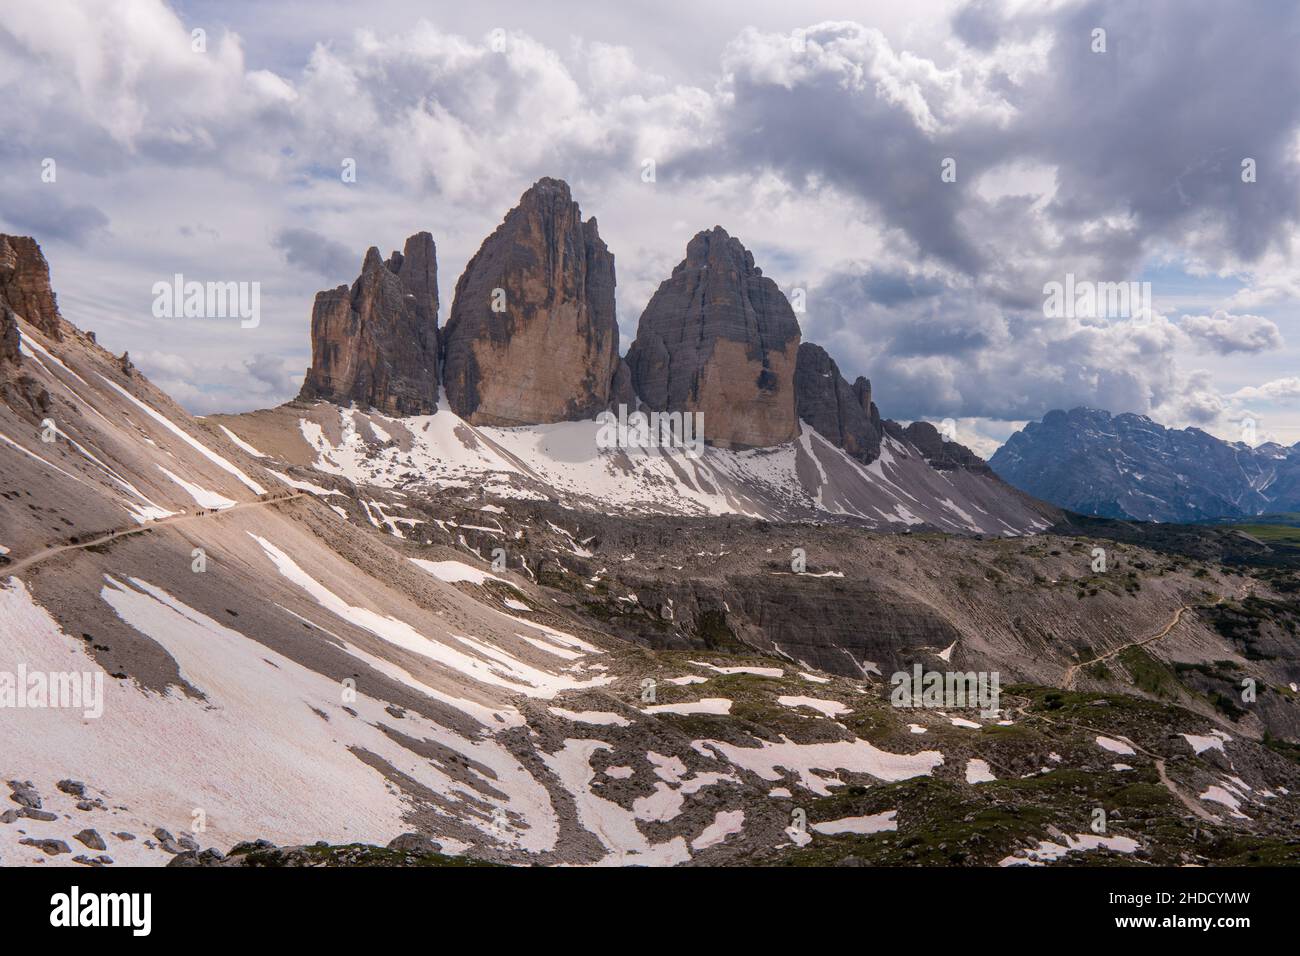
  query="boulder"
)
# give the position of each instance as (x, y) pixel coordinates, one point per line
(532, 335)
(49, 847)
(719, 337)
(24, 794)
(416, 843)
(71, 787)
(376, 344)
(91, 839)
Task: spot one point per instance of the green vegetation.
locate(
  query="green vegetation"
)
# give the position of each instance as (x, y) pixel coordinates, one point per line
(350, 854)
(1284, 747)
(711, 627)
(1242, 622)
(1270, 533)
(1149, 674)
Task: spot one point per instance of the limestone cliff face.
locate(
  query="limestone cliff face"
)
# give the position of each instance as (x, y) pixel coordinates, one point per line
(25, 284)
(841, 412)
(719, 337)
(376, 343)
(532, 336)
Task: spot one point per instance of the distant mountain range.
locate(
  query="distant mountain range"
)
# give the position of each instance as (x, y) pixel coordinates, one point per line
(1127, 466)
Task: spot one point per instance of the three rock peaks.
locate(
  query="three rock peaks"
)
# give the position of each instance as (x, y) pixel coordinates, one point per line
(532, 338)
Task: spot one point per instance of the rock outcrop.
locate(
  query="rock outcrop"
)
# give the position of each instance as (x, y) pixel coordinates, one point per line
(25, 284)
(718, 337)
(942, 454)
(532, 335)
(844, 414)
(620, 388)
(376, 343)
(9, 338)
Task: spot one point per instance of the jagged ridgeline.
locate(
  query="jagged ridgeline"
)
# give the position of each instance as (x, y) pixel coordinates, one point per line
(532, 341)
(1128, 467)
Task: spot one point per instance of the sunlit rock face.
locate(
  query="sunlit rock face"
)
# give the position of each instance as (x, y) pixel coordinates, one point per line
(532, 337)
(719, 337)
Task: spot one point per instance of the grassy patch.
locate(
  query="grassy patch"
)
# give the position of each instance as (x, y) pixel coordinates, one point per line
(1149, 674)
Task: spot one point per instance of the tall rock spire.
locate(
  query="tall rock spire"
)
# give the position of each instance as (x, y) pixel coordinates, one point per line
(532, 336)
(719, 337)
(376, 343)
(9, 336)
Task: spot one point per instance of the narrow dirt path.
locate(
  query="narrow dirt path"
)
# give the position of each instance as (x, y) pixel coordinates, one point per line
(1072, 673)
(23, 564)
(1159, 761)
(1073, 670)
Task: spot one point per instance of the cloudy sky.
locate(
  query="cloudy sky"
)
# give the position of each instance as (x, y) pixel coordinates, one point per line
(820, 138)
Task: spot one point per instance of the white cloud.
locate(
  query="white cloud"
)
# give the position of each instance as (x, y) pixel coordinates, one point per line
(1278, 390)
(1223, 332)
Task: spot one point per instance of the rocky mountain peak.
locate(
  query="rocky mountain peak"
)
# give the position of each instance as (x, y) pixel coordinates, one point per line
(718, 337)
(25, 284)
(844, 414)
(1128, 466)
(417, 266)
(532, 336)
(376, 343)
(718, 247)
(941, 453)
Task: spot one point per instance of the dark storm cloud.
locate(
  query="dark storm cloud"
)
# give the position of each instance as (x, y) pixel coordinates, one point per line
(821, 127)
(1154, 129)
(40, 210)
(308, 249)
(1159, 124)
(891, 289)
(958, 354)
